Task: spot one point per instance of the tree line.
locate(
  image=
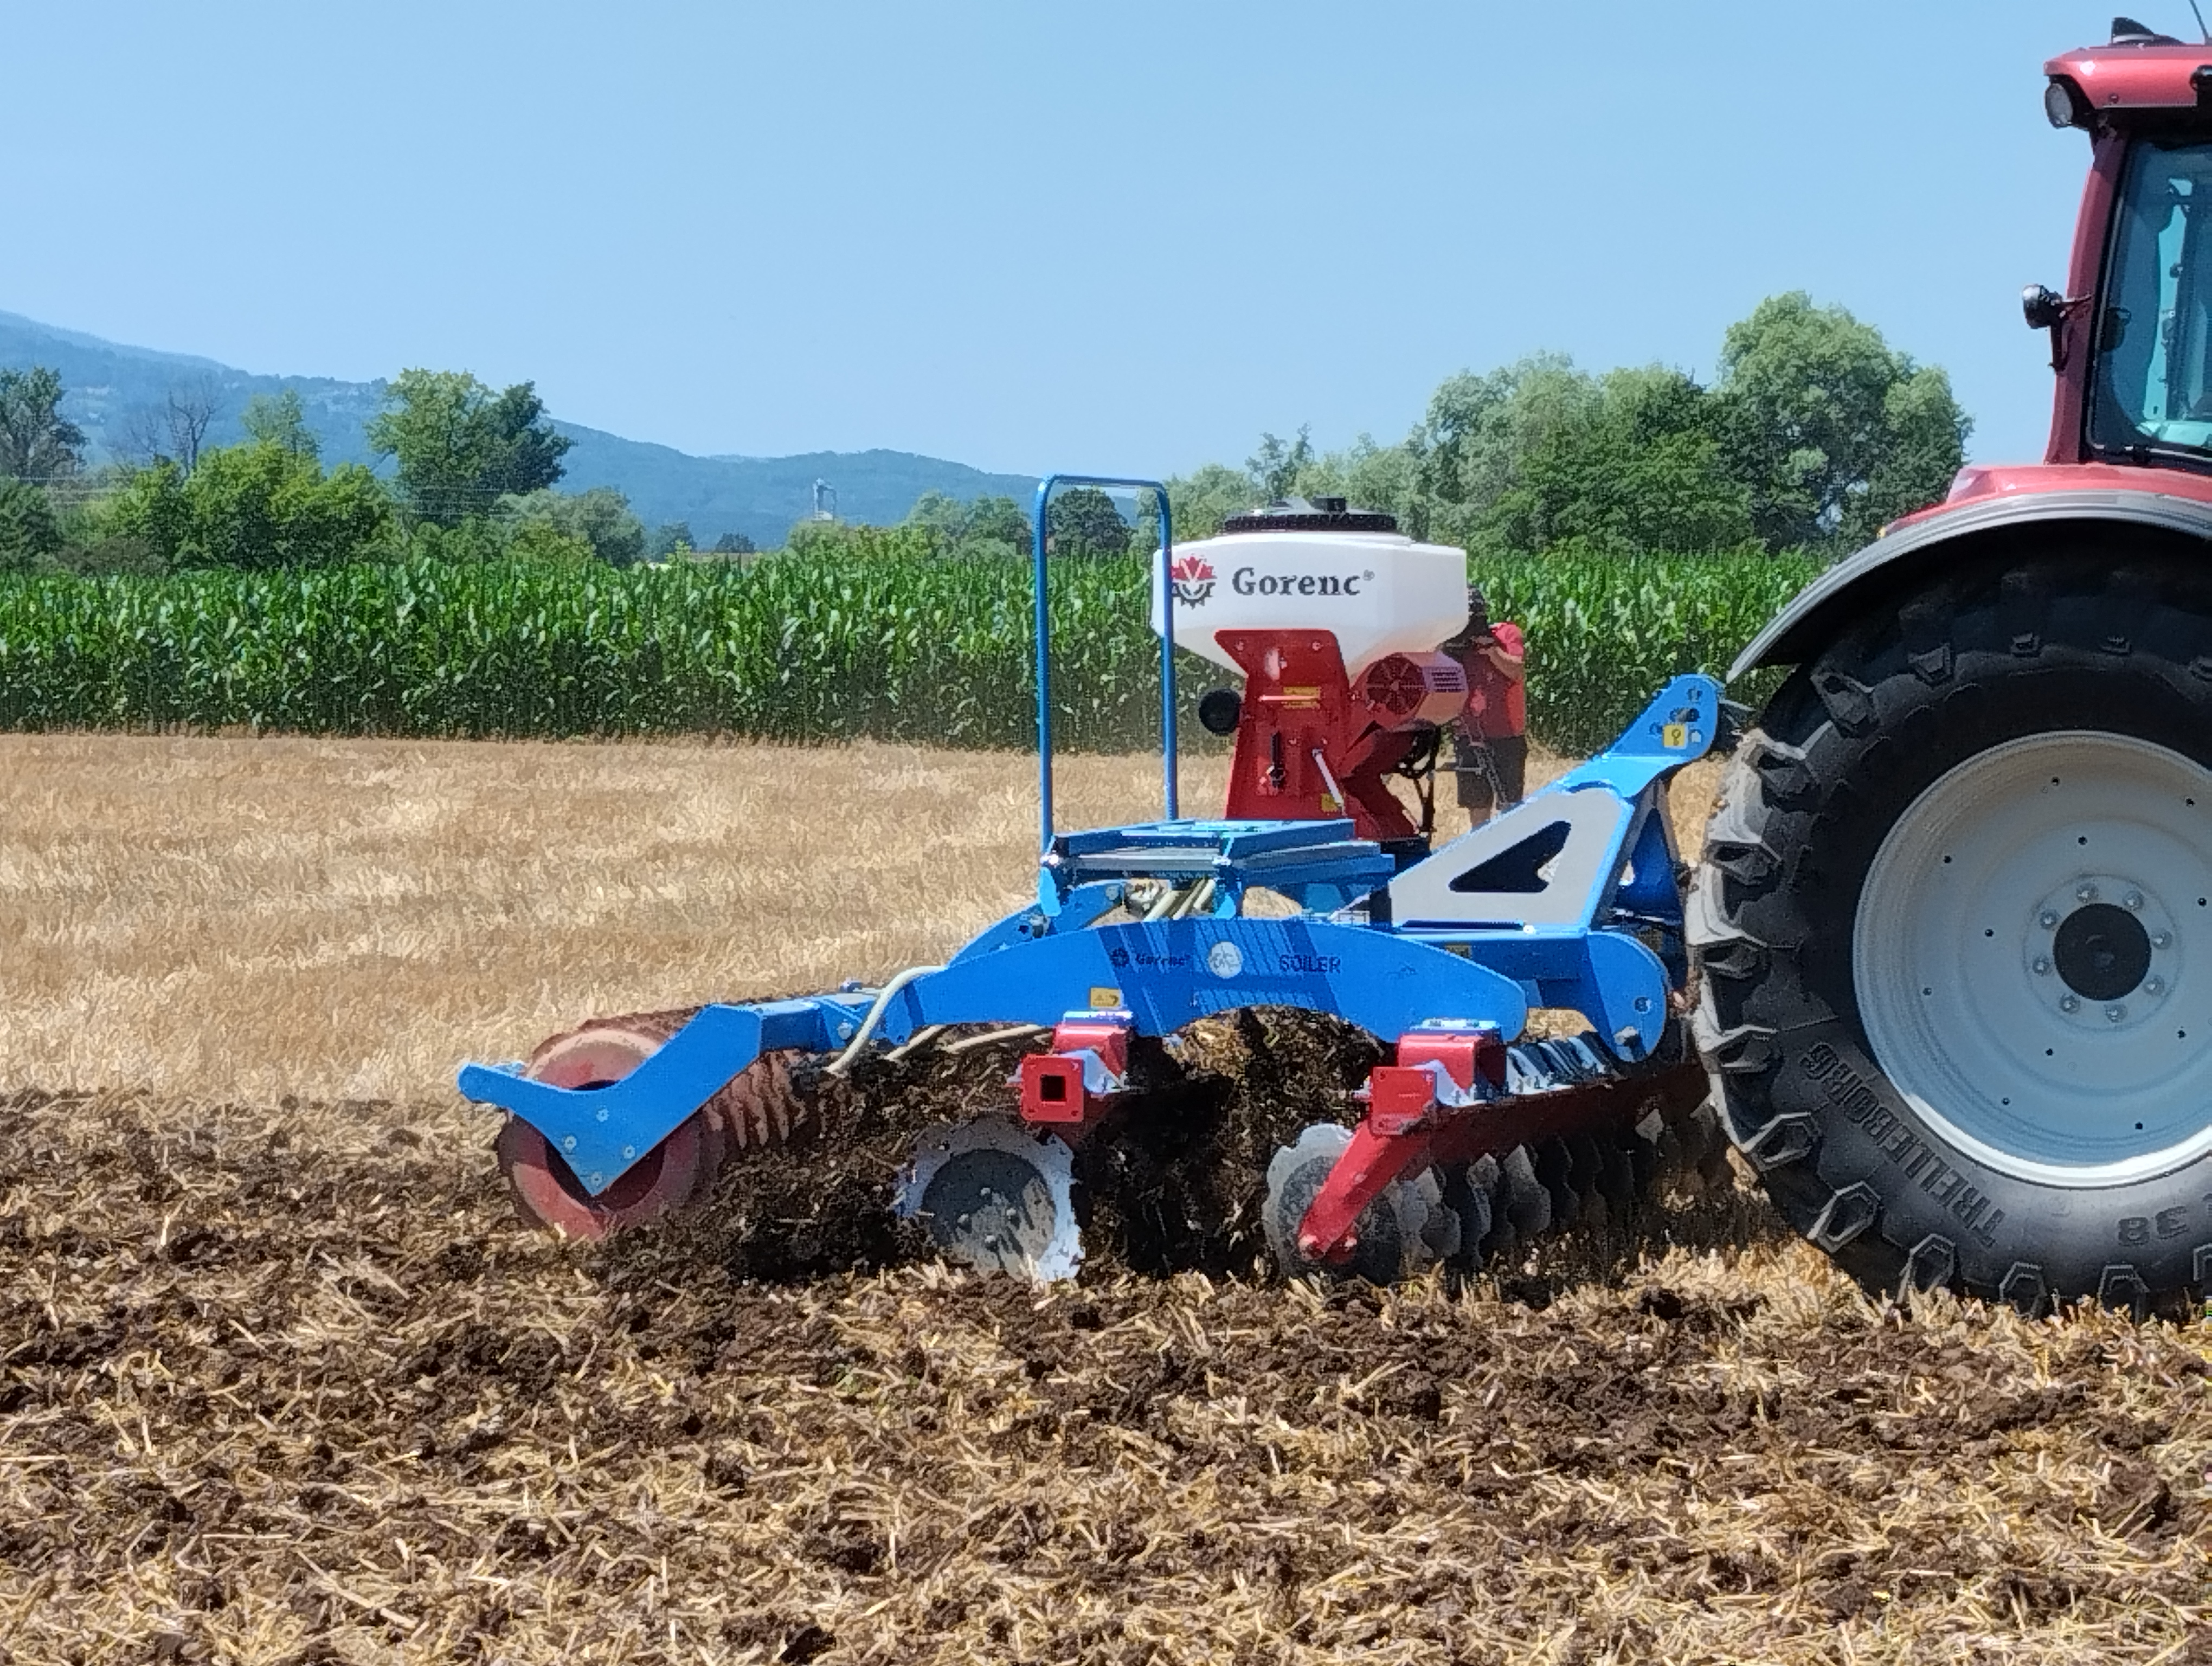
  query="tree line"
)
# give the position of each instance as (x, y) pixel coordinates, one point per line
(473, 476)
(1812, 434)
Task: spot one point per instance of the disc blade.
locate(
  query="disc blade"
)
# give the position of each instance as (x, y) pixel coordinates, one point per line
(997, 1197)
(1406, 1228)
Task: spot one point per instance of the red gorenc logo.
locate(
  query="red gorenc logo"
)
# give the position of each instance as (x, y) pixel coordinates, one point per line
(1193, 580)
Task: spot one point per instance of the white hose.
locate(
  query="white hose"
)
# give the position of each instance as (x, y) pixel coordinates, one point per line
(1198, 896)
(1014, 1033)
(920, 1038)
(843, 1061)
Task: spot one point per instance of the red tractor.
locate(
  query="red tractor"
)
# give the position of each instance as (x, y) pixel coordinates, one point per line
(1953, 925)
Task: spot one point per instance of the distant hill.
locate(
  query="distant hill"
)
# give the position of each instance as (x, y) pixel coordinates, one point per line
(759, 497)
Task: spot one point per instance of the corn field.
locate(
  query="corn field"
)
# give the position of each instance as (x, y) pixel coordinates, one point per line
(1604, 634)
(790, 647)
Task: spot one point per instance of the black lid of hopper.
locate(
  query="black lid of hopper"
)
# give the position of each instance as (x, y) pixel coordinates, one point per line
(1323, 514)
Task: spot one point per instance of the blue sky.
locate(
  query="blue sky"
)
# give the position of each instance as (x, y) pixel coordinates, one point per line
(1031, 236)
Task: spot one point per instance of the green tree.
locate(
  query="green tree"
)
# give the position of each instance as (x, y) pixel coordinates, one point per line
(1477, 429)
(1626, 464)
(1815, 434)
(940, 513)
(995, 520)
(600, 520)
(986, 525)
(460, 448)
(29, 535)
(1198, 502)
(733, 543)
(37, 442)
(255, 506)
(1083, 520)
(149, 508)
(526, 449)
(280, 420)
(104, 554)
(1833, 431)
(671, 537)
(1368, 476)
(1275, 466)
(542, 540)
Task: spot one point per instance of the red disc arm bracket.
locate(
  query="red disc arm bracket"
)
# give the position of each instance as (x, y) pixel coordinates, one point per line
(1444, 1101)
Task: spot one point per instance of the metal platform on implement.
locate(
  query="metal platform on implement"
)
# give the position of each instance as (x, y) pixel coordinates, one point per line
(1294, 858)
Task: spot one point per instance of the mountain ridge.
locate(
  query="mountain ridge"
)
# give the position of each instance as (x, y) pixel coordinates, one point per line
(108, 383)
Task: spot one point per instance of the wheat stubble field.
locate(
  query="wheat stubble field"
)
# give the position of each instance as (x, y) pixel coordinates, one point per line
(281, 1382)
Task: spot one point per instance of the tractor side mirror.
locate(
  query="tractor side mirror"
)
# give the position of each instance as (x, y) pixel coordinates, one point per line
(2045, 311)
(2042, 310)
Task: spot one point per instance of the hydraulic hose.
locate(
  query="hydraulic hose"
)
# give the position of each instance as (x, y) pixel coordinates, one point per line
(843, 1061)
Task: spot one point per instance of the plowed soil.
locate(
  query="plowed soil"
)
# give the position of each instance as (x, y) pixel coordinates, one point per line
(282, 1380)
(290, 1385)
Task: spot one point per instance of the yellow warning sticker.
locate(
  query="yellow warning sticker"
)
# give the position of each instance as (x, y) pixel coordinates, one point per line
(1674, 736)
(1104, 999)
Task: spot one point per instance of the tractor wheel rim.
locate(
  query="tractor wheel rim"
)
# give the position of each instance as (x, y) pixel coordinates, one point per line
(2033, 958)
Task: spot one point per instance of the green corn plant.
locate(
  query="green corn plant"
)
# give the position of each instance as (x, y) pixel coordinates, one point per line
(808, 647)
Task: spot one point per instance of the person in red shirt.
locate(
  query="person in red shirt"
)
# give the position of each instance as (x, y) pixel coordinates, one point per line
(1489, 741)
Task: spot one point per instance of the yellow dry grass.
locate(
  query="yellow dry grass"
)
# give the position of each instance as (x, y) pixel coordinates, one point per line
(254, 918)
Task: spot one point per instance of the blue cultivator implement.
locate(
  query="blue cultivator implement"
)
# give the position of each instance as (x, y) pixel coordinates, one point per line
(1570, 902)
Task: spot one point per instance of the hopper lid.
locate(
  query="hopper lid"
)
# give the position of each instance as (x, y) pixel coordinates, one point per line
(1320, 514)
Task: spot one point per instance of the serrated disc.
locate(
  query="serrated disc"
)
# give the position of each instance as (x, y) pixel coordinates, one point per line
(996, 1196)
(1521, 1201)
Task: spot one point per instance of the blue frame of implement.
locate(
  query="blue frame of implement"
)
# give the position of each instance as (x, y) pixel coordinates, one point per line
(1555, 903)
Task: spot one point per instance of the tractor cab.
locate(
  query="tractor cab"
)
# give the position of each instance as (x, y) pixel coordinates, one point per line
(2133, 338)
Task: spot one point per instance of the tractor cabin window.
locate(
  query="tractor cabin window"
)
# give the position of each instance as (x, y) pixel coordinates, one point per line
(2153, 383)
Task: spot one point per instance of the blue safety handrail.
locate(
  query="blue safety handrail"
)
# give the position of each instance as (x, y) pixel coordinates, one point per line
(1164, 580)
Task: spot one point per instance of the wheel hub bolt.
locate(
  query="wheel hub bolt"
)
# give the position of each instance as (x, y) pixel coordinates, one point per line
(568, 1142)
(2042, 966)
(2068, 1003)
(2132, 900)
(2084, 893)
(629, 1153)
(2155, 986)
(2114, 1012)
(2047, 919)
(2161, 940)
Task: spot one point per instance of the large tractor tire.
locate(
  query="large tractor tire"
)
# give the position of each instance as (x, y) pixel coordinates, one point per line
(1954, 935)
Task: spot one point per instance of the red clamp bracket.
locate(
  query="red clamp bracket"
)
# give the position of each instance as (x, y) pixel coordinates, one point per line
(1074, 1085)
(1441, 1067)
